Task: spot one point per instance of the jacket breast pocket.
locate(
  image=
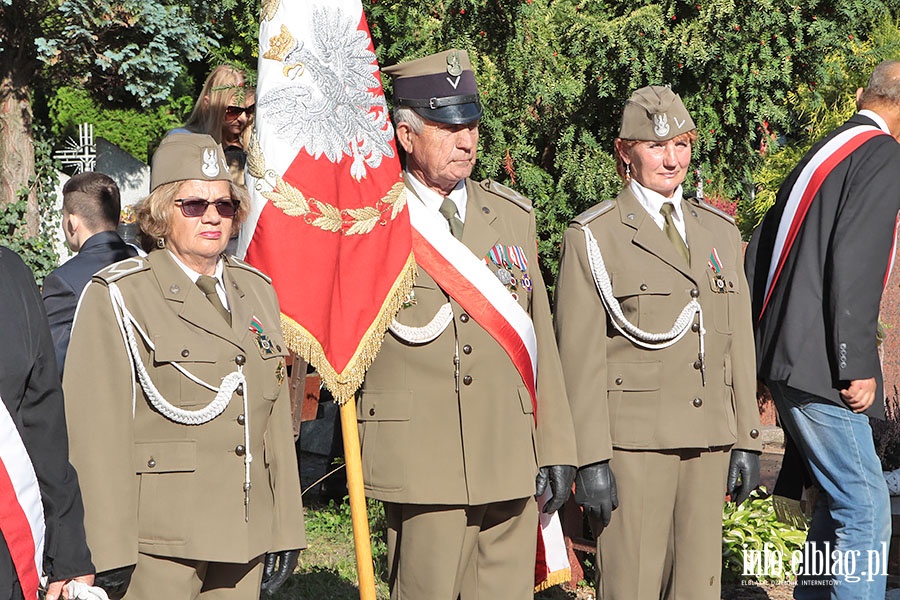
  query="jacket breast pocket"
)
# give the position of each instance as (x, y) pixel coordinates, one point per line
(724, 286)
(384, 420)
(166, 469)
(274, 373)
(634, 389)
(197, 355)
(644, 297)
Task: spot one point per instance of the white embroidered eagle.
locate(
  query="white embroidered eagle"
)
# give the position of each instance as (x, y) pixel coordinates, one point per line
(326, 106)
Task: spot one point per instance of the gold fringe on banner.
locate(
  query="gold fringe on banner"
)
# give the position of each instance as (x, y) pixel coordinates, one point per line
(554, 578)
(343, 385)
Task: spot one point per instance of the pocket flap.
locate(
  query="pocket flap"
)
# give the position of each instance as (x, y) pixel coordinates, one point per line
(172, 456)
(184, 348)
(634, 377)
(525, 399)
(637, 282)
(387, 405)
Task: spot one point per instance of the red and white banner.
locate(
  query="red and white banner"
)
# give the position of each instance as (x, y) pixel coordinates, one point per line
(805, 189)
(468, 280)
(327, 215)
(21, 509)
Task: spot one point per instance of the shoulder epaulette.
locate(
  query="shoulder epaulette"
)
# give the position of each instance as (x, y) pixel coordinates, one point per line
(594, 212)
(510, 194)
(123, 268)
(710, 208)
(239, 263)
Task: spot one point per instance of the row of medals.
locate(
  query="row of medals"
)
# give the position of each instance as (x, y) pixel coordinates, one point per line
(508, 258)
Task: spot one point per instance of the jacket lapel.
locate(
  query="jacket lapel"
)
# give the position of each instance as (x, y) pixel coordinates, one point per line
(648, 235)
(700, 240)
(241, 311)
(185, 298)
(479, 235)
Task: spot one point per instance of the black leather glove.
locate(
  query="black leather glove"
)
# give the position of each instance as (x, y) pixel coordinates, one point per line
(595, 491)
(743, 467)
(560, 478)
(277, 567)
(115, 581)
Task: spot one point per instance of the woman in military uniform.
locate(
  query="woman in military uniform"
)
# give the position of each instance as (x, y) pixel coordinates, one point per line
(176, 400)
(654, 332)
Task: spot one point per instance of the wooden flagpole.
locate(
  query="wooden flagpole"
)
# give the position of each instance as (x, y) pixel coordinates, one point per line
(361, 541)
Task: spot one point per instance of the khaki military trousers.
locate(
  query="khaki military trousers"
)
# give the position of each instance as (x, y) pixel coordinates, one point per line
(665, 539)
(157, 577)
(484, 552)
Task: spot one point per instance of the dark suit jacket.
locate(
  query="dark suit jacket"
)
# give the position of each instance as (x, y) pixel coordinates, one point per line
(818, 331)
(30, 388)
(62, 288)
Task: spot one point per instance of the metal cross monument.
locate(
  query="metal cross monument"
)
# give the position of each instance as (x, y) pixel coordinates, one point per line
(81, 154)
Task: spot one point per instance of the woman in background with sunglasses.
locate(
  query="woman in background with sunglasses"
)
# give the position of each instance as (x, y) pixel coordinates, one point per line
(224, 110)
(177, 403)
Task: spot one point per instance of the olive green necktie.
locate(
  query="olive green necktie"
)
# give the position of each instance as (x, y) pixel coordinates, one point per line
(448, 209)
(208, 285)
(671, 232)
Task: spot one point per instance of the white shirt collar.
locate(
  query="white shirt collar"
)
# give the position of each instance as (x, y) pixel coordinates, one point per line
(194, 276)
(882, 124)
(653, 202)
(433, 200)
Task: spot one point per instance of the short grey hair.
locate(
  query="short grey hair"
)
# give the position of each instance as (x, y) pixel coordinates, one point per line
(883, 86)
(405, 114)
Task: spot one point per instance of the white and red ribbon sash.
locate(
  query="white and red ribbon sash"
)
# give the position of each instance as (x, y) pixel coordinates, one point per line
(887, 274)
(21, 509)
(467, 279)
(805, 189)
(551, 565)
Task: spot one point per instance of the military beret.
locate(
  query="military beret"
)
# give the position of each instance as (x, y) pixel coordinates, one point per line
(440, 87)
(186, 156)
(654, 113)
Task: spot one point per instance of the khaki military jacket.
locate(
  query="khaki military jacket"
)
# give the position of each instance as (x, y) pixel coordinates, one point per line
(159, 487)
(628, 397)
(432, 436)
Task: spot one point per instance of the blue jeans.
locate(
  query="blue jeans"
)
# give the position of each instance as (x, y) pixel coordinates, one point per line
(851, 525)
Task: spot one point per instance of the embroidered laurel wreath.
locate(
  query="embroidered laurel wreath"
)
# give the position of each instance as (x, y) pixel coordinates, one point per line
(348, 221)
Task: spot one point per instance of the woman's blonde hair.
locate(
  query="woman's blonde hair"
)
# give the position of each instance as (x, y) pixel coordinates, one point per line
(225, 85)
(154, 213)
(627, 145)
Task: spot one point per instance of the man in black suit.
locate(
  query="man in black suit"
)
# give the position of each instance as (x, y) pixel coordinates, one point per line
(817, 266)
(41, 513)
(91, 208)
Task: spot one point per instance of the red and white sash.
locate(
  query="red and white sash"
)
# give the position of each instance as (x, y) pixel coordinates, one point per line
(805, 189)
(468, 280)
(21, 510)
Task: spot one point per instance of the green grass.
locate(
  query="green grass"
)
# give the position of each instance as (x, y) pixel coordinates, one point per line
(327, 568)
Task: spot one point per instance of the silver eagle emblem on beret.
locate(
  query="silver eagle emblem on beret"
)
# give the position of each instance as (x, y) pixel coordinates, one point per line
(661, 124)
(210, 166)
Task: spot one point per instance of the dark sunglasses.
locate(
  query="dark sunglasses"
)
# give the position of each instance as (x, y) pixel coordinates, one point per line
(233, 112)
(194, 207)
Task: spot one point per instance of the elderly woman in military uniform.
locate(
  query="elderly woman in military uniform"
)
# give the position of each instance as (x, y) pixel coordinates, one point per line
(176, 401)
(653, 324)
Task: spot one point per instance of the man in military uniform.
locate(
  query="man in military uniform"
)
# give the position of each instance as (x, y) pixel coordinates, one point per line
(653, 325)
(455, 415)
